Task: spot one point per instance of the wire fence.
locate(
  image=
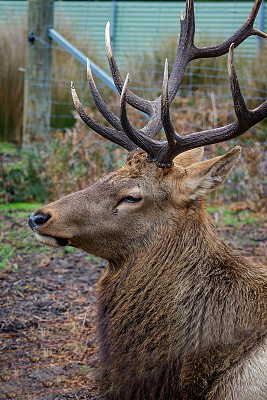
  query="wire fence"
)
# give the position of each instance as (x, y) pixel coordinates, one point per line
(143, 35)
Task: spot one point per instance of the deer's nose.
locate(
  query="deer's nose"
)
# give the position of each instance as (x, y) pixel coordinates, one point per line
(38, 220)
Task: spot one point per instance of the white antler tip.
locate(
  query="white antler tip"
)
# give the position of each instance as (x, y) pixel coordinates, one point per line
(182, 15)
(107, 40)
(107, 31)
(75, 97)
(166, 65)
(124, 89)
(89, 72)
(231, 52)
(74, 94)
(165, 76)
(127, 78)
(231, 67)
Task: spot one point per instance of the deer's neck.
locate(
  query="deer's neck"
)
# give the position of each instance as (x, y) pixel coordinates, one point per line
(184, 292)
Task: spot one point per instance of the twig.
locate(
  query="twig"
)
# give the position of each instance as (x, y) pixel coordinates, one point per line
(84, 319)
(85, 348)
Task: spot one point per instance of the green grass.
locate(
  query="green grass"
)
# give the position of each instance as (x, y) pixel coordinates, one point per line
(6, 253)
(93, 258)
(225, 216)
(67, 250)
(20, 206)
(19, 239)
(8, 149)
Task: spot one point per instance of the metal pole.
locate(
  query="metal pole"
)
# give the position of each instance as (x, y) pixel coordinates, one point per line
(53, 34)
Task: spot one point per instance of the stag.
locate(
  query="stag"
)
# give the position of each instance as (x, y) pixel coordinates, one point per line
(180, 314)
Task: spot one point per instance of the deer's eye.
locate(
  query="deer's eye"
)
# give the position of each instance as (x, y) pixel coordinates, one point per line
(131, 199)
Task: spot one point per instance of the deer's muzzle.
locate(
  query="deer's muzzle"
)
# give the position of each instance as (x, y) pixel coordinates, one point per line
(37, 221)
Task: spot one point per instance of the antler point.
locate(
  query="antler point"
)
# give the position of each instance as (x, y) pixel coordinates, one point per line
(231, 59)
(75, 98)
(257, 32)
(107, 30)
(107, 40)
(89, 71)
(165, 76)
(124, 89)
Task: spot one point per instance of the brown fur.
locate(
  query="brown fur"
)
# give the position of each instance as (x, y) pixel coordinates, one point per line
(181, 315)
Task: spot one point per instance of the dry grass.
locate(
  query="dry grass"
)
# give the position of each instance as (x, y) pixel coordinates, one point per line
(12, 52)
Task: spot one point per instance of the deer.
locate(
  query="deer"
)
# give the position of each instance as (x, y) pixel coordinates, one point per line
(181, 315)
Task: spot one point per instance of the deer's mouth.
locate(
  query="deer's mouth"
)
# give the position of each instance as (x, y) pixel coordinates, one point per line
(51, 240)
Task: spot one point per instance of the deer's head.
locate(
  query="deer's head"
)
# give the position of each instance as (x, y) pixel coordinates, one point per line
(162, 182)
(125, 209)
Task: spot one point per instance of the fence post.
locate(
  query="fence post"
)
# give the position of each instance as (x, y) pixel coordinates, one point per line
(37, 96)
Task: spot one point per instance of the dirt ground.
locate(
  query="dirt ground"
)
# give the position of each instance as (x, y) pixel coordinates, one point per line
(48, 344)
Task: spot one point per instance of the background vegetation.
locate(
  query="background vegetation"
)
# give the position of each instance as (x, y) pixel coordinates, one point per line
(77, 157)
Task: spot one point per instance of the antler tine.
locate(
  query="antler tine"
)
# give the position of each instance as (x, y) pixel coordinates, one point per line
(154, 125)
(165, 113)
(246, 118)
(161, 152)
(185, 49)
(143, 141)
(101, 105)
(134, 100)
(241, 109)
(238, 37)
(106, 132)
(174, 140)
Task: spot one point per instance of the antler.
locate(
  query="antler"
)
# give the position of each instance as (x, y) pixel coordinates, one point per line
(163, 153)
(177, 144)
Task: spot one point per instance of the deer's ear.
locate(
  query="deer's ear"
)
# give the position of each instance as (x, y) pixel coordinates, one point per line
(189, 157)
(206, 176)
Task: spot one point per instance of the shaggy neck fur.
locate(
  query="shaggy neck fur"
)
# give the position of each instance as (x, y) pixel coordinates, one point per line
(170, 305)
